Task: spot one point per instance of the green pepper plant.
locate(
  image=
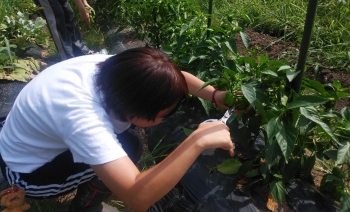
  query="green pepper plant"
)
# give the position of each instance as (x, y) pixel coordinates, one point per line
(153, 21)
(337, 181)
(296, 128)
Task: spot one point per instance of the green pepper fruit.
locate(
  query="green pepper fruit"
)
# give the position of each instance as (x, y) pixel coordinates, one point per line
(229, 99)
(230, 18)
(281, 91)
(338, 172)
(330, 104)
(338, 192)
(242, 103)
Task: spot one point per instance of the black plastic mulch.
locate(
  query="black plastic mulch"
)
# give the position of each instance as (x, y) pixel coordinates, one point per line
(8, 93)
(204, 189)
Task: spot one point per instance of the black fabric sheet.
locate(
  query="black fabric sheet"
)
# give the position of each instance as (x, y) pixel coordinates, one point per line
(205, 189)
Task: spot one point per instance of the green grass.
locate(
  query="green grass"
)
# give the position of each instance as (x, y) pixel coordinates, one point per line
(330, 42)
(93, 37)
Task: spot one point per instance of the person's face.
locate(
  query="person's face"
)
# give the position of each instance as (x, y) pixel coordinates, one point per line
(145, 123)
(160, 117)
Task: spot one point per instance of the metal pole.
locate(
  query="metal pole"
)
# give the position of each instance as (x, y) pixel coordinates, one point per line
(210, 12)
(305, 42)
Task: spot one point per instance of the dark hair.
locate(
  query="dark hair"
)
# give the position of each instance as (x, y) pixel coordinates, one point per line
(140, 82)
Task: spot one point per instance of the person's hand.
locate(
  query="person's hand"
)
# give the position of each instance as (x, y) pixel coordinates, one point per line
(213, 135)
(84, 10)
(85, 14)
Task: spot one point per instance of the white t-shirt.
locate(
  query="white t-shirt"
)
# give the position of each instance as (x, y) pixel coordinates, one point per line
(58, 110)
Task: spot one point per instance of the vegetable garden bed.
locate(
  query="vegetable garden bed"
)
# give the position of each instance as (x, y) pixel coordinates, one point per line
(275, 50)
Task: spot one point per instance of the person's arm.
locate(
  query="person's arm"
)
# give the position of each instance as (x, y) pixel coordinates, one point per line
(206, 93)
(84, 13)
(140, 190)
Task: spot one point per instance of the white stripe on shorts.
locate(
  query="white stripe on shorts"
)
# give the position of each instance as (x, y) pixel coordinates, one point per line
(71, 183)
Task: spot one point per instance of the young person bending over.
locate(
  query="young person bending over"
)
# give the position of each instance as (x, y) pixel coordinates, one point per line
(68, 129)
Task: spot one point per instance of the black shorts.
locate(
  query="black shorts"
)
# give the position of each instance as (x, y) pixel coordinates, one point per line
(61, 175)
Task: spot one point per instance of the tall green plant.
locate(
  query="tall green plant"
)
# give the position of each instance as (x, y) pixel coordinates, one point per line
(207, 57)
(154, 20)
